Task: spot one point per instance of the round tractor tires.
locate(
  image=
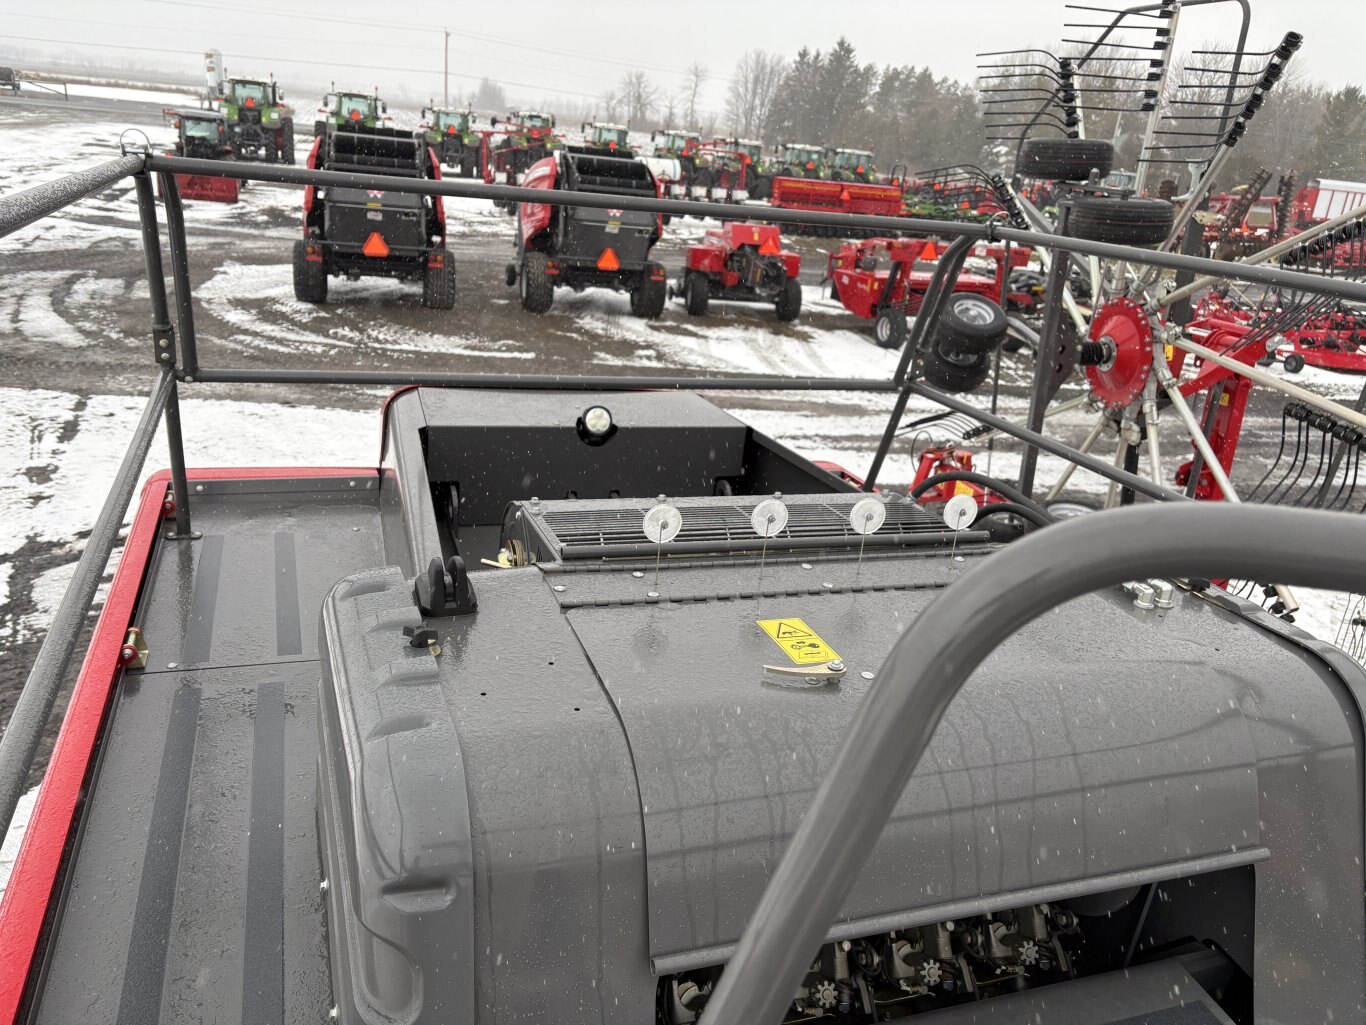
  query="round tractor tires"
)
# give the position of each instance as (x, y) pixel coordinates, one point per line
(310, 276)
(648, 298)
(438, 285)
(533, 281)
(789, 303)
(1064, 160)
(958, 372)
(287, 141)
(971, 324)
(696, 294)
(889, 329)
(1122, 222)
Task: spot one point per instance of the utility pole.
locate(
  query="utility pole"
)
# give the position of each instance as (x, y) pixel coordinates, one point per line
(446, 72)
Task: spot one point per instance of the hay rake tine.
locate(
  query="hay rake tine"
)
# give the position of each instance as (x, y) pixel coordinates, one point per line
(1252, 495)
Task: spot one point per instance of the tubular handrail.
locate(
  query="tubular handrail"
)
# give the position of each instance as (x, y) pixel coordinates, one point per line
(932, 660)
(456, 187)
(20, 209)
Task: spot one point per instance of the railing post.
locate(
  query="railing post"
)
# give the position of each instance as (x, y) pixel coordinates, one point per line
(180, 276)
(164, 336)
(180, 487)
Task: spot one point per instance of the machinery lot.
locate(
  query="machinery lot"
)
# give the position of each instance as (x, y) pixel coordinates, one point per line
(80, 275)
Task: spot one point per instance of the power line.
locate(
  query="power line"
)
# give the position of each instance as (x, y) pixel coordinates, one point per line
(476, 36)
(303, 60)
(257, 36)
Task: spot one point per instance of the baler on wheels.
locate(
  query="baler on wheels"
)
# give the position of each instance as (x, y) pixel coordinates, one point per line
(353, 233)
(356, 109)
(448, 133)
(580, 247)
(260, 125)
(745, 263)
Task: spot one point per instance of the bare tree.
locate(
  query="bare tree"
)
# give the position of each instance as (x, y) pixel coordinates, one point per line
(490, 96)
(669, 114)
(753, 86)
(693, 80)
(639, 96)
(611, 105)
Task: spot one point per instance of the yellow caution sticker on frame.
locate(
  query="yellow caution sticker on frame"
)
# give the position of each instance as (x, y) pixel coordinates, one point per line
(798, 641)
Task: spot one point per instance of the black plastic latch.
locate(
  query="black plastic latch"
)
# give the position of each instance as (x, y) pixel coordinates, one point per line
(445, 591)
(420, 636)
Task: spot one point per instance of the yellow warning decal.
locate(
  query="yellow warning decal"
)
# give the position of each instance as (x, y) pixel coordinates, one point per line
(798, 641)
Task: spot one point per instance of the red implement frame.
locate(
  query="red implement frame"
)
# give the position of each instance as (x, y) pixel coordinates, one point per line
(709, 256)
(879, 272)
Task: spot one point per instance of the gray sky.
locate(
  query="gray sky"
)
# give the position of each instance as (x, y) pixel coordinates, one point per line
(583, 48)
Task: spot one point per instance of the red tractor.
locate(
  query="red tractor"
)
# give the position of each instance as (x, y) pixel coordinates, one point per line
(586, 247)
(876, 279)
(741, 263)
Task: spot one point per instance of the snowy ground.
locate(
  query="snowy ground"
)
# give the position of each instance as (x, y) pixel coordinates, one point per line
(75, 353)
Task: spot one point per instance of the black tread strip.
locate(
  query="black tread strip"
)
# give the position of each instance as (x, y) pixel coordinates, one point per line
(263, 983)
(145, 972)
(288, 632)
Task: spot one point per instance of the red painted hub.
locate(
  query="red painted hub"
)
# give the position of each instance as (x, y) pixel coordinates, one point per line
(1124, 324)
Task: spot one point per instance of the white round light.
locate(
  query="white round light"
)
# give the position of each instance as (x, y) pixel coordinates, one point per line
(597, 420)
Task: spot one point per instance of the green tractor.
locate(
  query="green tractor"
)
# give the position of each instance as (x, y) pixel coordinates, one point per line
(357, 109)
(449, 134)
(675, 143)
(851, 165)
(605, 140)
(259, 124)
(796, 160)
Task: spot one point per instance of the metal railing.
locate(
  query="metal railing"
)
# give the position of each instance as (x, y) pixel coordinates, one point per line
(175, 354)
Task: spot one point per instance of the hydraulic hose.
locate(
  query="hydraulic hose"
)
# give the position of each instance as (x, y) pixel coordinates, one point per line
(934, 657)
(1025, 512)
(982, 480)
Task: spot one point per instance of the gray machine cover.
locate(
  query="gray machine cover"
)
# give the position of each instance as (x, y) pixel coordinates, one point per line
(589, 787)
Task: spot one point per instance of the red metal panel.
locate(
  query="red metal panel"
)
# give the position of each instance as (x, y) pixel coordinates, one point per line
(536, 216)
(312, 164)
(436, 200)
(199, 186)
(31, 884)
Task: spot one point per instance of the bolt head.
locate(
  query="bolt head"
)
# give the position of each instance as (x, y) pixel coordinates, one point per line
(835, 666)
